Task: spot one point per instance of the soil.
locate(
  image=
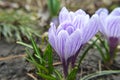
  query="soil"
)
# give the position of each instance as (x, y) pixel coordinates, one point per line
(13, 65)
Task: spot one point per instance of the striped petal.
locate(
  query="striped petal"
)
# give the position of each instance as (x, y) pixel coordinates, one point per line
(63, 15)
(113, 26)
(90, 29)
(80, 21)
(102, 12)
(71, 16)
(72, 44)
(63, 26)
(61, 39)
(52, 35)
(115, 12)
(80, 12)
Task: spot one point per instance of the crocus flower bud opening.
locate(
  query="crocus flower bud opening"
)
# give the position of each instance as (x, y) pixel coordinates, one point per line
(109, 25)
(74, 30)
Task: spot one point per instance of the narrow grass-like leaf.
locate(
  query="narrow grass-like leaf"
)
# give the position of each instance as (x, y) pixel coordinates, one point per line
(100, 73)
(54, 6)
(36, 49)
(100, 51)
(103, 43)
(49, 56)
(30, 55)
(105, 55)
(46, 77)
(72, 75)
(24, 44)
(85, 52)
(58, 75)
(32, 60)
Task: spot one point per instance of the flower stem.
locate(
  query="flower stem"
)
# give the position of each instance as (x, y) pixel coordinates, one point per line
(74, 57)
(65, 67)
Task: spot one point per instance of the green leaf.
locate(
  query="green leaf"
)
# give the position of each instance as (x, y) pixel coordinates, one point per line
(47, 77)
(100, 73)
(49, 56)
(36, 50)
(58, 75)
(24, 44)
(32, 60)
(105, 55)
(72, 75)
(101, 52)
(54, 6)
(85, 52)
(104, 44)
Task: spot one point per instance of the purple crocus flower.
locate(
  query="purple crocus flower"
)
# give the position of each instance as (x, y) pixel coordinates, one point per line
(74, 30)
(110, 27)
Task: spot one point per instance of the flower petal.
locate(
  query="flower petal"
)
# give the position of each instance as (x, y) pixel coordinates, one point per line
(72, 44)
(71, 16)
(90, 29)
(115, 12)
(63, 15)
(80, 21)
(80, 12)
(63, 26)
(113, 26)
(102, 12)
(60, 45)
(52, 35)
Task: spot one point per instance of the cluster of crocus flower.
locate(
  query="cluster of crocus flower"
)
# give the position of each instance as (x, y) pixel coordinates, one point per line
(73, 31)
(109, 25)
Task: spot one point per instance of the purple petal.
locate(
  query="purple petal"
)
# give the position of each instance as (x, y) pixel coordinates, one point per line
(113, 26)
(80, 21)
(52, 35)
(72, 44)
(115, 12)
(102, 12)
(63, 15)
(80, 12)
(63, 26)
(71, 16)
(60, 45)
(90, 29)
(70, 29)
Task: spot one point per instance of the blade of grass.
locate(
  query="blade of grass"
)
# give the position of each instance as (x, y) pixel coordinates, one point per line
(72, 75)
(46, 77)
(49, 56)
(100, 51)
(100, 73)
(36, 49)
(32, 60)
(103, 43)
(105, 56)
(58, 75)
(24, 44)
(85, 52)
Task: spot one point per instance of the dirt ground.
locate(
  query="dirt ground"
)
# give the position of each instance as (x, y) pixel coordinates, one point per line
(13, 65)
